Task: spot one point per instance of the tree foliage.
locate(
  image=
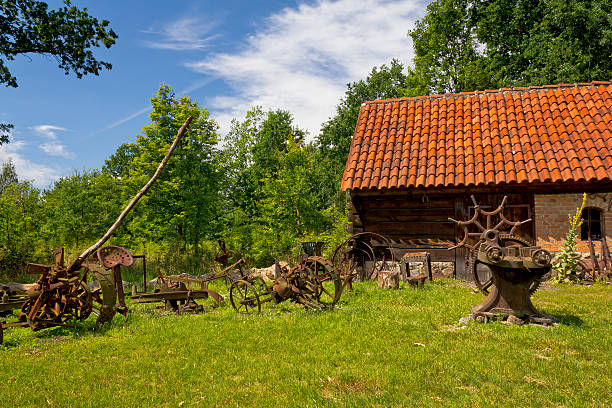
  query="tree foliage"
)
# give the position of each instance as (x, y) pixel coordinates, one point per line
(334, 140)
(465, 45)
(8, 175)
(182, 204)
(68, 34)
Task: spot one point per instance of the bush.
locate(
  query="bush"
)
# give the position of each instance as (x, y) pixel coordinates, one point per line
(566, 267)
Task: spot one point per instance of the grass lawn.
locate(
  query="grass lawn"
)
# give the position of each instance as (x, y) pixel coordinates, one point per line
(379, 348)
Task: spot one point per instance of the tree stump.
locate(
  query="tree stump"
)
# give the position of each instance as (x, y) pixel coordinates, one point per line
(388, 279)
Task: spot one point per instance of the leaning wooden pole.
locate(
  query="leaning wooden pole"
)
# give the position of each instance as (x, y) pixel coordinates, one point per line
(81, 258)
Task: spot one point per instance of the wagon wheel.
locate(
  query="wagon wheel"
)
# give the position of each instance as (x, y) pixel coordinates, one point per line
(324, 280)
(244, 297)
(506, 241)
(354, 251)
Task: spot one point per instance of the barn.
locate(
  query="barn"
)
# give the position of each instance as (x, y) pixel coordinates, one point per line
(415, 162)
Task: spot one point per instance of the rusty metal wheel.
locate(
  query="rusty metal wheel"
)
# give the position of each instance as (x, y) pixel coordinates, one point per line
(244, 297)
(358, 250)
(55, 307)
(323, 279)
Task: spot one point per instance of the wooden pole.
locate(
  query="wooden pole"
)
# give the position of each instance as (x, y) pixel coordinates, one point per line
(81, 258)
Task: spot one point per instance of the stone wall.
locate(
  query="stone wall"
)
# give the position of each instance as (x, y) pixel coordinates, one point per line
(552, 222)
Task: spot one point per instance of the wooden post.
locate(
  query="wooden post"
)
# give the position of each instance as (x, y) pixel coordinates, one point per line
(76, 264)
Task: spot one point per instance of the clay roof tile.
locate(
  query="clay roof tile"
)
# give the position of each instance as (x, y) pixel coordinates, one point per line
(513, 135)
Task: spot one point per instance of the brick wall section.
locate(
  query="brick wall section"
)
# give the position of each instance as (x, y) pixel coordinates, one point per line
(552, 222)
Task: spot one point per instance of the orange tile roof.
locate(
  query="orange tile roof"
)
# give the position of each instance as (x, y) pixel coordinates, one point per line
(548, 134)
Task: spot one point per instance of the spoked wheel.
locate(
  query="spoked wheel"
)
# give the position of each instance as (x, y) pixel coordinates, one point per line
(57, 306)
(507, 241)
(358, 250)
(244, 297)
(81, 304)
(323, 280)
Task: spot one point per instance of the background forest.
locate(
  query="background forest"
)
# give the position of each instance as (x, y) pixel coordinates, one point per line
(266, 185)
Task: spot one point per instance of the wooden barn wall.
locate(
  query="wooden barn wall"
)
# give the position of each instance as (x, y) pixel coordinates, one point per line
(417, 222)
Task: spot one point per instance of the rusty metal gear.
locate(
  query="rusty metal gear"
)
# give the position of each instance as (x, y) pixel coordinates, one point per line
(475, 221)
(507, 241)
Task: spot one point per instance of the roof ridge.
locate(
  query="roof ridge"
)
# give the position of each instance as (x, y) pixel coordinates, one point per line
(489, 92)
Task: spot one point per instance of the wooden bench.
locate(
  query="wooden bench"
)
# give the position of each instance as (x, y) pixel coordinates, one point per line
(417, 281)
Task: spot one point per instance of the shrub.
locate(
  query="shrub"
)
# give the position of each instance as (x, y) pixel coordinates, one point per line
(566, 267)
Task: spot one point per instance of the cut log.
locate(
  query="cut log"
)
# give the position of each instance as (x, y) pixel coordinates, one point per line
(388, 279)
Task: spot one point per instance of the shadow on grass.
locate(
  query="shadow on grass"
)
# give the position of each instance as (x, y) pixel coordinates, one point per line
(55, 334)
(568, 320)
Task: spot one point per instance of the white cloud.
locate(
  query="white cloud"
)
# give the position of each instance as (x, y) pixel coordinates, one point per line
(185, 34)
(55, 149)
(302, 58)
(52, 147)
(40, 175)
(50, 131)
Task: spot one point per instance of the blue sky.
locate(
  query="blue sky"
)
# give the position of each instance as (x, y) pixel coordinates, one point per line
(228, 55)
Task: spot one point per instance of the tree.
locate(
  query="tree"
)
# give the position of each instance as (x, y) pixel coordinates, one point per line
(334, 140)
(8, 175)
(80, 208)
(467, 45)
(275, 135)
(531, 42)
(68, 33)
(446, 56)
(289, 210)
(20, 220)
(182, 205)
(5, 131)
(118, 164)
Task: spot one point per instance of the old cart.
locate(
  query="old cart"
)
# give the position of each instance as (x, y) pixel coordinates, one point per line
(313, 283)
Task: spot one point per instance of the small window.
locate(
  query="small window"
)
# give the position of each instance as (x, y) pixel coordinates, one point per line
(591, 224)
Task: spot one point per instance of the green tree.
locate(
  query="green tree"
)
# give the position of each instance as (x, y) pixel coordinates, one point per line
(8, 175)
(20, 219)
(446, 57)
(334, 140)
(68, 34)
(271, 195)
(289, 209)
(118, 164)
(183, 203)
(79, 208)
(532, 42)
(466, 45)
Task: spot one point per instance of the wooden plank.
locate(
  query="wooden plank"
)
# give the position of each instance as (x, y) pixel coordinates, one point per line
(390, 204)
(423, 229)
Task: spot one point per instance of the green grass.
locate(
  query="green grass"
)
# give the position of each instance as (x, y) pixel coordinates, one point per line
(379, 348)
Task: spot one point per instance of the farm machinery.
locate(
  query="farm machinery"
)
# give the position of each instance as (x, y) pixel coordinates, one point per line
(61, 294)
(516, 267)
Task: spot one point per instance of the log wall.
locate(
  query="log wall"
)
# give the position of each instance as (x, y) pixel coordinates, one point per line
(418, 222)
